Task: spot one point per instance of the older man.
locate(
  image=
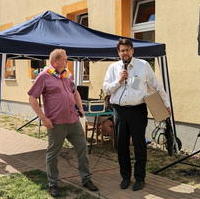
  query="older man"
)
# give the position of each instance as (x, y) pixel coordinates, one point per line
(61, 100)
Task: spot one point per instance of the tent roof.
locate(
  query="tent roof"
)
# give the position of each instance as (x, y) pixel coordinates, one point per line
(39, 36)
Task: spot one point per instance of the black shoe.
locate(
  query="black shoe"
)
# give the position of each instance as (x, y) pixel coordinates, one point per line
(53, 190)
(138, 185)
(124, 183)
(90, 186)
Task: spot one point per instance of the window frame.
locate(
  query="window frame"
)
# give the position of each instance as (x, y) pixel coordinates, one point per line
(13, 63)
(36, 68)
(78, 19)
(145, 26)
(82, 16)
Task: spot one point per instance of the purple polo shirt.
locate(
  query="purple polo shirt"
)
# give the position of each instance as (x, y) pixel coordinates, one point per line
(58, 97)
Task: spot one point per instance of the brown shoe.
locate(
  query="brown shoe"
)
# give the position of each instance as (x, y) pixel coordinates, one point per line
(90, 186)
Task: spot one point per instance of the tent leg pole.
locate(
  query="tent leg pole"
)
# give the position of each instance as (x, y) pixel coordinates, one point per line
(176, 162)
(168, 89)
(75, 72)
(35, 118)
(2, 71)
(27, 123)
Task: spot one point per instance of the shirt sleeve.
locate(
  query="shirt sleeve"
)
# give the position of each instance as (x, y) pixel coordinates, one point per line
(38, 87)
(73, 87)
(152, 82)
(72, 84)
(111, 83)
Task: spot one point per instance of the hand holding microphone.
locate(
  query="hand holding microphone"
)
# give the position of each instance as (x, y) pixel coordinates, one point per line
(125, 62)
(124, 73)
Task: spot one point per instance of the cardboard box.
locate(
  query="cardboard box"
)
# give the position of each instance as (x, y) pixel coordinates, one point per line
(157, 107)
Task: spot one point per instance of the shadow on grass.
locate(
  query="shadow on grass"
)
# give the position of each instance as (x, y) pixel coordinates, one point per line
(33, 185)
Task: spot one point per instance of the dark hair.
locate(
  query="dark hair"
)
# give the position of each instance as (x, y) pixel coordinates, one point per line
(126, 42)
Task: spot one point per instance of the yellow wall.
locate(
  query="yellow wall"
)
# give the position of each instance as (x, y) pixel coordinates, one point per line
(16, 90)
(71, 10)
(17, 10)
(123, 16)
(22, 10)
(103, 19)
(177, 26)
(107, 16)
(5, 26)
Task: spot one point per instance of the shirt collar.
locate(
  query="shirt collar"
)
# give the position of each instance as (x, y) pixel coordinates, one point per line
(131, 64)
(64, 74)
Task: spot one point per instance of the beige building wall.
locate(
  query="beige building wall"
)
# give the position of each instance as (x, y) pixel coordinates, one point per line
(177, 26)
(16, 12)
(16, 90)
(102, 18)
(111, 16)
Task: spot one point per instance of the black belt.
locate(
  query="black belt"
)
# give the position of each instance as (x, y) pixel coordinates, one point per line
(129, 106)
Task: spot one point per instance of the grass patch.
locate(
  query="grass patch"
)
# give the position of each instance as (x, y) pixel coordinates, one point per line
(33, 185)
(157, 158)
(13, 123)
(179, 172)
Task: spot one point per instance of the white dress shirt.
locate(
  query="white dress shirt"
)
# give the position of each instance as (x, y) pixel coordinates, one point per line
(140, 78)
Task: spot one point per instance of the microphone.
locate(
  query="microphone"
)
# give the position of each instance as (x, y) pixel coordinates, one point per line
(125, 62)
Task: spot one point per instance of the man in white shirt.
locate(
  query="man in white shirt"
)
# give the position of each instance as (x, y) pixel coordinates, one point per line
(127, 82)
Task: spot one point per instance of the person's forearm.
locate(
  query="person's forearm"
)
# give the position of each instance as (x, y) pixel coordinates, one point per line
(78, 100)
(35, 106)
(111, 87)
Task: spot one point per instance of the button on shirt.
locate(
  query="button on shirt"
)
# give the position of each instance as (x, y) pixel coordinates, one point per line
(134, 89)
(58, 97)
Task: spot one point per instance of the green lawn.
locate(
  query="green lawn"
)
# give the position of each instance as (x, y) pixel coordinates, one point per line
(157, 158)
(32, 185)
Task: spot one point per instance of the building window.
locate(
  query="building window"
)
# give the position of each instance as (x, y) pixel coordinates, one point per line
(83, 20)
(36, 67)
(10, 69)
(147, 36)
(144, 20)
(144, 23)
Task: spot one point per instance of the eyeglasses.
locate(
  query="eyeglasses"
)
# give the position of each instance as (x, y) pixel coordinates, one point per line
(125, 50)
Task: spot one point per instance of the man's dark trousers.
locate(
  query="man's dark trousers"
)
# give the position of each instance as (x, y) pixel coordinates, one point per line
(131, 121)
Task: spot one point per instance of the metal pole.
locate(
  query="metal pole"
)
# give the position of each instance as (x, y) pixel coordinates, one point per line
(176, 162)
(168, 90)
(3, 63)
(75, 73)
(162, 72)
(78, 72)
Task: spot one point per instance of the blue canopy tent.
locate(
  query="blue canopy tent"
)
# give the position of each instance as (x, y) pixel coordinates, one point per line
(39, 36)
(36, 38)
